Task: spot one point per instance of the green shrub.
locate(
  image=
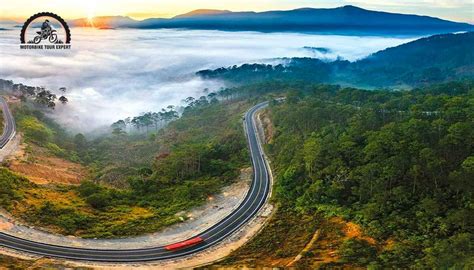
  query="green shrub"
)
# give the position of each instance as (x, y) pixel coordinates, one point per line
(88, 188)
(67, 218)
(357, 251)
(56, 150)
(99, 200)
(10, 187)
(34, 130)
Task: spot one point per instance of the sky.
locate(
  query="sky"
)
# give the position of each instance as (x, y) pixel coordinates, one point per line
(456, 10)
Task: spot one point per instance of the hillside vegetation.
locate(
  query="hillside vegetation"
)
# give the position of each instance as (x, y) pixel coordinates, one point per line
(138, 182)
(398, 164)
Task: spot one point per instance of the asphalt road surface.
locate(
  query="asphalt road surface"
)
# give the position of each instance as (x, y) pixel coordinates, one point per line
(249, 207)
(9, 128)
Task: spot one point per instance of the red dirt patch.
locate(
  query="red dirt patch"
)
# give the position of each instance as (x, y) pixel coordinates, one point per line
(42, 168)
(332, 232)
(5, 225)
(352, 230)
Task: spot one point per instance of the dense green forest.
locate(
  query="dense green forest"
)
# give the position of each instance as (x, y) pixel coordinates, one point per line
(434, 59)
(399, 163)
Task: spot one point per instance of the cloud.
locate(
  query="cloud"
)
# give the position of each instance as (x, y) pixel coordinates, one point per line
(112, 74)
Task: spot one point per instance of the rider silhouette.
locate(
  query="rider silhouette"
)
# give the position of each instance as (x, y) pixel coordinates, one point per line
(45, 28)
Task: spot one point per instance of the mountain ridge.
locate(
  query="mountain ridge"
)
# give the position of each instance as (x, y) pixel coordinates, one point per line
(349, 18)
(202, 12)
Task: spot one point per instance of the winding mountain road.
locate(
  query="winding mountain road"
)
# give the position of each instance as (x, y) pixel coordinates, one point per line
(9, 129)
(252, 203)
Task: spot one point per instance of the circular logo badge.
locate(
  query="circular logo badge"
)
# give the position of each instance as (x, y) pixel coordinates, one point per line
(45, 28)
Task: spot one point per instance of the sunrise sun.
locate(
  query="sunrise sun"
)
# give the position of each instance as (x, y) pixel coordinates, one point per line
(90, 14)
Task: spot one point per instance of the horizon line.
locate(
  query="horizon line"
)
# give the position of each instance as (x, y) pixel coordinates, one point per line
(22, 19)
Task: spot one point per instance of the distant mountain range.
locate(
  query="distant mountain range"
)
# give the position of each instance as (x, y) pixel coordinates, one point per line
(434, 59)
(343, 19)
(8, 24)
(202, 12)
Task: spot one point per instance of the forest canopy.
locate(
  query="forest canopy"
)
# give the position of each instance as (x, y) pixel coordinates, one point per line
(399, 163)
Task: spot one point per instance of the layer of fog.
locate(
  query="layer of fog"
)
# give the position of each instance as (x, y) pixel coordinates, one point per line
(112, 74)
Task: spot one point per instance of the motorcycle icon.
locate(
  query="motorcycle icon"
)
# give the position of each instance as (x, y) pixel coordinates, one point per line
(49, 34)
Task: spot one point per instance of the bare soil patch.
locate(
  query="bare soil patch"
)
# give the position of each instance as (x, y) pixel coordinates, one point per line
(332, 233)
(267, 125)
(40, 167)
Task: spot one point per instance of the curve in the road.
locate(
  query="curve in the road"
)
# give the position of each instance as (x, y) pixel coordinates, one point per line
(9, 128)
(249, 207)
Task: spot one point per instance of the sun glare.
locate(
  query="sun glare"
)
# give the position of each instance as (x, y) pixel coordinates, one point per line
(90, 15)
(90, 19)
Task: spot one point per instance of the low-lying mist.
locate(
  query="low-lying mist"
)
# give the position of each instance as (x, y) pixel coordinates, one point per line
(112, 74)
